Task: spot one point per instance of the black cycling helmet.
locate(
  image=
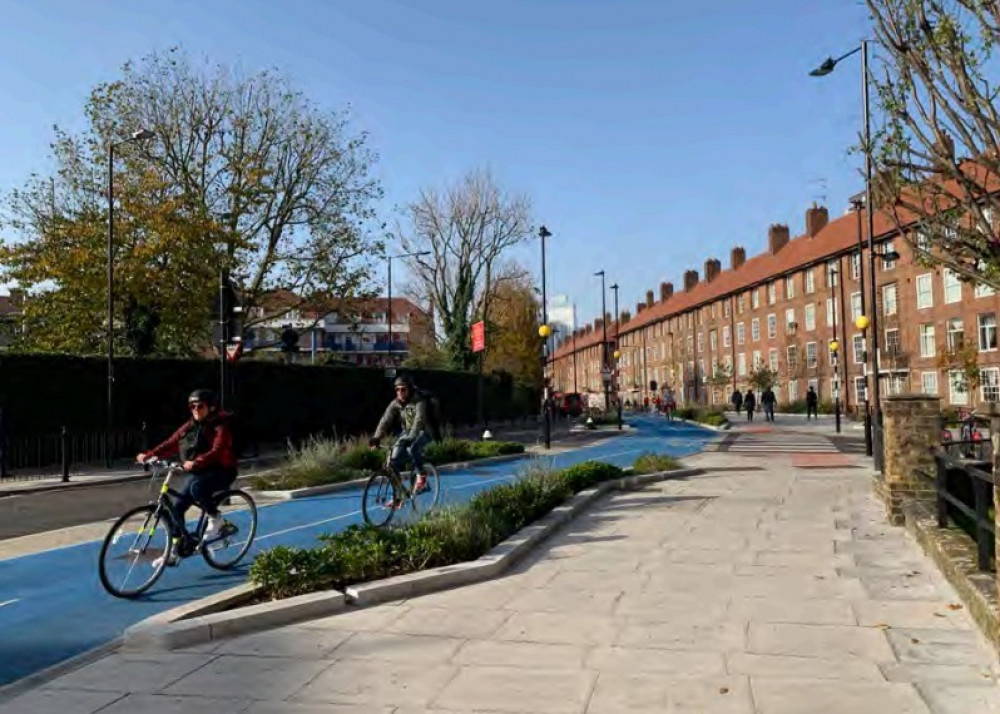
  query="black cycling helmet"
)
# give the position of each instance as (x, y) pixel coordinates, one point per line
(203, 395)
(404, 380)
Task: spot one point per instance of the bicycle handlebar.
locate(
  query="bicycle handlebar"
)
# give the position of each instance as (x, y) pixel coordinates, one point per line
(160, 463)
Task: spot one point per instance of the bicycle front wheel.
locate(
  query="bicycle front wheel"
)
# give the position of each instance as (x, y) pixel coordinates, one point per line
(378, 500)
(134, 552)
(428, 498)
(239, 526)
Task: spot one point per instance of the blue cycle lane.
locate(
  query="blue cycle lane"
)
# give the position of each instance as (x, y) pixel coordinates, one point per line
(52, 605)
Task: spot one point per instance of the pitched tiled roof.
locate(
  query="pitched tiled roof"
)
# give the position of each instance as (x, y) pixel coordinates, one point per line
(837, 237)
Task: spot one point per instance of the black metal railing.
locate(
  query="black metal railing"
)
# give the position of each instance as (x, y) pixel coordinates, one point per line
(43, 455)
(964, 495)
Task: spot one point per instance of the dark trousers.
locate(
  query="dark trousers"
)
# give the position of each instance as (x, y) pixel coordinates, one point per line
(749, 413)
(811, 411)
(769, 412)
(414, 449)
(201, 488)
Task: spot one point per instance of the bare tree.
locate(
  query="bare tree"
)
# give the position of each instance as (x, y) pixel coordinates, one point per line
(466, 230)
(936, 158)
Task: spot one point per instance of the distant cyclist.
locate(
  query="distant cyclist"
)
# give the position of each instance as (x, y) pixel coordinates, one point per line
(205, 446)
(406, 415)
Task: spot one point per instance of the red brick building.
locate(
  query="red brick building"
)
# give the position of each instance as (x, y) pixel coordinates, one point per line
(783, 307)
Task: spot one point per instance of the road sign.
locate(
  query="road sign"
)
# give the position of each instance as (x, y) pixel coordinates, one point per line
(233, 351)
(479, 336)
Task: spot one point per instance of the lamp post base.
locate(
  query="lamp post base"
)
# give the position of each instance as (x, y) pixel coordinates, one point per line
(868, 430)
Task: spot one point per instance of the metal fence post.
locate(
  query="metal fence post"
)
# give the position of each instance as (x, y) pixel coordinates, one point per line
(941, 487)
(3, 448)
(144, 445)
(984, 537)
(64, 449)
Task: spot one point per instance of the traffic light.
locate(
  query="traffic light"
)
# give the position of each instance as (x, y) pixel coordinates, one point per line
(652, 385)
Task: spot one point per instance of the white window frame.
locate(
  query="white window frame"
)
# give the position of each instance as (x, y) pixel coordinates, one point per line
(789, 318)
(741, 334)
(741, 364)
(925, 291)
(772, 326)
(726, 336)
(755, 329)
(755, 299)
(929, 383)
(958, 397)
(772, 293)
(810, 281)
(772, 359)
(886, 291)
(888, 247)
(952, 343)
(927, 339)
(831, 311)
(986, 330)
(757, 360)
(951, 286)
(989, 384)
(789, 287)
(858, 348)
(793, 390)
(856, 311)
(810, 318)
(856, 265)
(812, 360)
(832, 274)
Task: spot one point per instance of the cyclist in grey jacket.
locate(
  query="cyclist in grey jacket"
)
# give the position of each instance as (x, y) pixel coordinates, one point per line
(407, 416)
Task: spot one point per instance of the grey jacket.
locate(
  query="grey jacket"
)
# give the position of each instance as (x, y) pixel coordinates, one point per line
(410, 418)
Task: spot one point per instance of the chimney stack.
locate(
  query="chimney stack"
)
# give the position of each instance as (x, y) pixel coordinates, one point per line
(738, 257)
(598, 324)
(626, 316)
(649, 298)
(639, 307)
(690, 280)
(777, 237)
(712, 269)
(666, 290)
(590, 328)
(816, 219)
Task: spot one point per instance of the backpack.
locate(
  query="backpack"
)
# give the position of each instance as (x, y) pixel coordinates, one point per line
(433, 414)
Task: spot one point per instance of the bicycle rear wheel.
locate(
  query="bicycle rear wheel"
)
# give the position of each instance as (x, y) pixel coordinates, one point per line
(239, 526)
(135, 552)
(377, 500)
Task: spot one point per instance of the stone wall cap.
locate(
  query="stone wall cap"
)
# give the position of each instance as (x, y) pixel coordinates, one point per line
(912, 398)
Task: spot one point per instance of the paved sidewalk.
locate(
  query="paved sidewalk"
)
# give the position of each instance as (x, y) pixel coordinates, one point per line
(777, 591)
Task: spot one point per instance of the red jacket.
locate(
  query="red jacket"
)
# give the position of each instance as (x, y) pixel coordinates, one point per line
(214, 445)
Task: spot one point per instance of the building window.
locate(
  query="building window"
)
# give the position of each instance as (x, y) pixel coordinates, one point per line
(925, 291)
(713, 340)
(810, 281)
(741, 334)
(952, 286)
(772, 326)
(793, 390)
(855, 306)
(831, 274)
(957, 388)
(860, 386)
(712, 310)
(892, 343)
(856, 266)
(772, 293)
(928, 382)
(725, 308)
(922, 241)
(811, 355)
(772, 359)
(858, 343)
(755, 329)
(757, 361)
(726, 336)
(810, 317)
(889, 305)
(888, 248)
(927, 344)
(792, 357)
(741, 364)
(755, 298)
(987, 332)
(956, 334)
(989, 384)
(896, 384)
(831, 311)
(984, 291)
(790, 287)
(701, 341)
(790, 319)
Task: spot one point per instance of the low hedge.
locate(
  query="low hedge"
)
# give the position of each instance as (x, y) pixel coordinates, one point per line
(712, 417)
(458, 534)
(323, 461)
(650, 463)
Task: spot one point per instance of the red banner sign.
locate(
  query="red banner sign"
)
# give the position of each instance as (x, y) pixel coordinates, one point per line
(478, 336)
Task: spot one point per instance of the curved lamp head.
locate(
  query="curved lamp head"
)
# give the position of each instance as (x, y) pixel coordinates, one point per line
(862, 322)
(544, 330)
(824, 69)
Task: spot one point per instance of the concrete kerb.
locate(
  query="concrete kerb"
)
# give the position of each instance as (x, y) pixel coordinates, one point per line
(354, 483)
(197, 623)
(725, 427)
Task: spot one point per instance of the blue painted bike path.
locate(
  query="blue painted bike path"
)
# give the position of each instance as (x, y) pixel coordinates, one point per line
(52, 605)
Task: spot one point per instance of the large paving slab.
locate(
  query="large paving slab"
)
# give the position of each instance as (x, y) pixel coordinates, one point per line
(773, 590)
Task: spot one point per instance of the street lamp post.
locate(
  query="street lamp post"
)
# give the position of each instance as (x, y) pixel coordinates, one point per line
(140, 135)
(824, 69)
(544, 332)
(389, 259)
(605, 375)
(617, 355)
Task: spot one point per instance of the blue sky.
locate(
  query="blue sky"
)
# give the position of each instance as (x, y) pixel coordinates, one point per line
(651, 135)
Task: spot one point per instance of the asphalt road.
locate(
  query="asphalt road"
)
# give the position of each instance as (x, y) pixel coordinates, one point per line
(53, 607)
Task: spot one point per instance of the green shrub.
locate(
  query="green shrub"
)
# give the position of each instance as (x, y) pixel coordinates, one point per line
(713, 418)
(454, 535)
(585, 475)
(489, 449)
(448, 451)
(686, 413)
(650, 463)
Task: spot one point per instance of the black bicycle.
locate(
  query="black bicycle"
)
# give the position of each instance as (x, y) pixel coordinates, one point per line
(147, 538)
(386, 493)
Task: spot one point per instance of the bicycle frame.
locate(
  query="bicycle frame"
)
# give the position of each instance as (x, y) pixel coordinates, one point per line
(164, 504)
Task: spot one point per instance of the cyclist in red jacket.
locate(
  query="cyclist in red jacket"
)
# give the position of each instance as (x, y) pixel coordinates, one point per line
(205, 447)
